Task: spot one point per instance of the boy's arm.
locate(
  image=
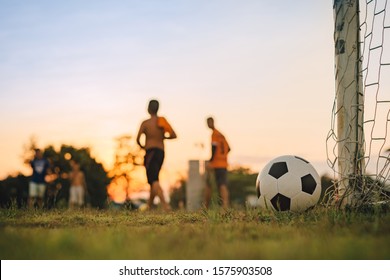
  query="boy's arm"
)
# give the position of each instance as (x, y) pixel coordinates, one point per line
(65, 175)
(213, 150)
(228, 146)
(168, 128)
(209, 163)
(171, 135)
(140, 132)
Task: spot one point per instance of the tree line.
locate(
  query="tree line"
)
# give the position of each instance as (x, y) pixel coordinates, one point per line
(128, 157)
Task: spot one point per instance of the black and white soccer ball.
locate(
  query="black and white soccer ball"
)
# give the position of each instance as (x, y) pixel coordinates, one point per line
(288, 183)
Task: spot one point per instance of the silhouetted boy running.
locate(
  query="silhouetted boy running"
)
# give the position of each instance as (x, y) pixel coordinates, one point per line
(156, 130)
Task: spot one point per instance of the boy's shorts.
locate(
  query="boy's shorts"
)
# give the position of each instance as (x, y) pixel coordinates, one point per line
(76, 195)
(221, 176)
(37, 189)
(153, 161)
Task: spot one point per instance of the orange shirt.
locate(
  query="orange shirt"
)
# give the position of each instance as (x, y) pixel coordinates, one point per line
(163, 123)
(221, 150)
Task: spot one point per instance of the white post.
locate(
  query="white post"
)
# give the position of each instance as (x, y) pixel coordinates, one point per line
(195, 186)
(349, 99)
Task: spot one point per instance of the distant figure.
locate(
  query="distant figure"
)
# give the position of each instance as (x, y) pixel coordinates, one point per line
(37, 187)
(156, 130)
(53, 186)
(78, 186)
(217, 163)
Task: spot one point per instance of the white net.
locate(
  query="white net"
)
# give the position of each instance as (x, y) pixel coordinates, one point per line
(368, 176)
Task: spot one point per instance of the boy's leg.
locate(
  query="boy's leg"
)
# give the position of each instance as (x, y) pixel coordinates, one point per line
(221, 177)
(41, 194)
(224, 192)
(152, 196)
(157, 190)
(32, 194)
(208, 186)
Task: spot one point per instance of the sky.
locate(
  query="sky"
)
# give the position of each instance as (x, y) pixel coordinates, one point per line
(82, 72)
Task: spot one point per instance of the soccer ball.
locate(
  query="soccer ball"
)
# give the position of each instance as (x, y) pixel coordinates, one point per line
(288, 183)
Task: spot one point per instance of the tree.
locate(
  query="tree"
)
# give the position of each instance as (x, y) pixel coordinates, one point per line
(241, 184)
(128, 160)
(95, 175)
(58, 185)
(14, 188)
(177, 195)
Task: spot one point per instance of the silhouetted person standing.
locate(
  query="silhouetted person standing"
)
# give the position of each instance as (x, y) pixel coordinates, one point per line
(78, 186)
(156, 130)
(218, 163)
(37, 186)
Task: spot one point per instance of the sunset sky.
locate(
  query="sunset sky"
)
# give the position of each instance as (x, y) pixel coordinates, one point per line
(82, 73)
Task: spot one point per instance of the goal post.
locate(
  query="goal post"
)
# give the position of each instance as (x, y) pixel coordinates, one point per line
(358, 144)
(349, 100)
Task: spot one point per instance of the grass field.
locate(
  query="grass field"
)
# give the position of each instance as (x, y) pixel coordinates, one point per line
(235, 234)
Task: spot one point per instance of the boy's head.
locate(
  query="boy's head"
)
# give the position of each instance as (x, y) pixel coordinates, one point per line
(210, 122)
(153, 107)
(38, 153)
(75, 164)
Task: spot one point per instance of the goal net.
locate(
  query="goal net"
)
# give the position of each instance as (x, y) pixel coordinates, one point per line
(358, 146)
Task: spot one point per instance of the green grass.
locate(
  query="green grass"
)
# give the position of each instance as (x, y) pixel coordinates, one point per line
(250, 234)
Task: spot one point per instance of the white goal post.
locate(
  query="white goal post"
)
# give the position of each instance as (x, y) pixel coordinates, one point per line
(349, 99)
(360, 151)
